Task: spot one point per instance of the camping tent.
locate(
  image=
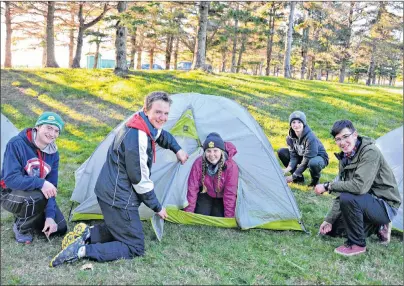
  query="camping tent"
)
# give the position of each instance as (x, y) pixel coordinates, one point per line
(264, 199)
(8, 131)
(391, 145)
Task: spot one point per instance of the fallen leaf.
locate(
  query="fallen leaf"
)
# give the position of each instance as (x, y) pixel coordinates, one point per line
(88, 266)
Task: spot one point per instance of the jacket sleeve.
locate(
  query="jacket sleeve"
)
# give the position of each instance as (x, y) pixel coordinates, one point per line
(167, 141)
(52, 177)
(310, 151)
(293, 155)
(363, 176)
(230, 190)
(15, 176)
(334, 212)
(194, 180)
(136, 167)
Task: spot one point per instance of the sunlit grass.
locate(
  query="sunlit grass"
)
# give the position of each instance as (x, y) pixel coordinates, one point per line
(93, 102)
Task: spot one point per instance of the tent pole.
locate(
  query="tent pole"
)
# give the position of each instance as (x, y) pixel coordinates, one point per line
(70, 212)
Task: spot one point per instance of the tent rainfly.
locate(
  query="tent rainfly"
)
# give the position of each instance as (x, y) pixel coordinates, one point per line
(391, 145)
(264, 200)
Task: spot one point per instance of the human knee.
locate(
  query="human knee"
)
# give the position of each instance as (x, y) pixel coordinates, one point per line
(346, 199)
(136, 251)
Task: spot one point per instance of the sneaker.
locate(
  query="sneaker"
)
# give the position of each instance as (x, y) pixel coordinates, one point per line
(350, 250)
(384, 233)
(314, 182)
(81, 230)
(69, 254)
(22, 237)
(299, 180)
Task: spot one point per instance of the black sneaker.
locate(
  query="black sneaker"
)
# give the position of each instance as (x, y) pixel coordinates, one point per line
(314, 182)
(298, 179)
(69, 254)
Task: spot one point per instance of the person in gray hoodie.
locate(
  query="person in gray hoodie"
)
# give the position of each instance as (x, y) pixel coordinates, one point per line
(304, 151)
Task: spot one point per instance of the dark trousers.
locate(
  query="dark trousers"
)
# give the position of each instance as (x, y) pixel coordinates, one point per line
(120, 236)
(361, 216)
(207, 205)
(28, 208)
(315, 165)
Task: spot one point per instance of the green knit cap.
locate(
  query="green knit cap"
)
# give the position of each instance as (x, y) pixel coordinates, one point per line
(50, 118)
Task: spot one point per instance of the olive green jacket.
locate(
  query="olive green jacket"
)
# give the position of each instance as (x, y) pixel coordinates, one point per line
(368, 172)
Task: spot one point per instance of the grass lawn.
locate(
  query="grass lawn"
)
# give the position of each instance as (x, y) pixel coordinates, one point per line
(93, 102)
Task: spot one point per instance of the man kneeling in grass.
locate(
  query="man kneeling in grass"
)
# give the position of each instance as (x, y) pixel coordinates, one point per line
(368, 197)
(122, 185)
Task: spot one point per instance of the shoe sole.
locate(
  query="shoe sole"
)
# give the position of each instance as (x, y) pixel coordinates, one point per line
(78, 230)
(349, 254)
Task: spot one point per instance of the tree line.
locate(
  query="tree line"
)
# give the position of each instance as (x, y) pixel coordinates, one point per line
(307, 40)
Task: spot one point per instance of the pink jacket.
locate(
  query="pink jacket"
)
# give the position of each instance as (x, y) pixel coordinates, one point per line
(228, 183)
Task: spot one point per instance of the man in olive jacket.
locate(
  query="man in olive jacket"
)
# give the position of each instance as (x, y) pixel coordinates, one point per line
(367, 193)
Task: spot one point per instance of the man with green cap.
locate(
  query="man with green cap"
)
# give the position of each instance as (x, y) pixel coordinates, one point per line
(29, 179)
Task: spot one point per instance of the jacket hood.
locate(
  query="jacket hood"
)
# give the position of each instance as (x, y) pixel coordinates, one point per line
(306, 130)
(230, 149)
(29, 134)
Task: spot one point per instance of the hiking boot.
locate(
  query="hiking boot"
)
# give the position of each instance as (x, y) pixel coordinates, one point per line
(384, 233)
(314, 182)
(80, 230)
(69, 254)
(350, 250)
(298, 179)
(22, 237)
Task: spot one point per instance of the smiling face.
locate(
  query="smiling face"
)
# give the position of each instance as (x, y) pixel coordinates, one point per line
(346, 140)
(46, 134)
(158, 113)
(297, 126)
(213, 155)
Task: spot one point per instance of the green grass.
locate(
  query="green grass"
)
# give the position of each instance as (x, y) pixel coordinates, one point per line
(93, 102)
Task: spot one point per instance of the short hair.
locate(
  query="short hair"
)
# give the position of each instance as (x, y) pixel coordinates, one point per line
(154, 96)
(341, 124)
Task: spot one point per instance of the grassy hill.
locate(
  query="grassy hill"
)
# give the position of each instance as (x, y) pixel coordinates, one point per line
(93, 102)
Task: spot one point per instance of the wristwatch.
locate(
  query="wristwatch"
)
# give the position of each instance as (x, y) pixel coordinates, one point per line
(326, 186)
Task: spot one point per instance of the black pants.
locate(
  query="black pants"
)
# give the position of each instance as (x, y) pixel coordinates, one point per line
(207, 205)
(28, 208)
(361, 216)
(120, 236)
(315, 165)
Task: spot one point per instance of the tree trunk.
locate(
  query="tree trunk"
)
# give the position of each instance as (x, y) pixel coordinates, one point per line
(44, 49)
(319, 74)
(240, 54)
(169, 50)
(233, 53)
(82, 27)
(305, 45)
(133, 49)
(7, 60)
(97, 54)
(224, 59)
(270, 38)
(177, 44)
(288, 44)
(313, 62)
(71, 35)
(151, 58)
(347, 44)
(121, 67)
(200, 46)
(50, 37)
(371, 69)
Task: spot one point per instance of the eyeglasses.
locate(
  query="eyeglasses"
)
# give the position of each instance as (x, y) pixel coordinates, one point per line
(343, 138)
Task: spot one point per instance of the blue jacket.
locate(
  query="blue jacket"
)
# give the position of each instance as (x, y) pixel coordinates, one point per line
(124, 180)
(21, 167)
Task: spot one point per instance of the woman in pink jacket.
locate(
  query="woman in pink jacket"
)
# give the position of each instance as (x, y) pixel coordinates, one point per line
(213, 182)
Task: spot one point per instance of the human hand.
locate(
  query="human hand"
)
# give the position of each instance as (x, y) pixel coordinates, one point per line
(289, 179)
(319, 189)
(163, 213)
(325, 227)
(50, 227)
(182, 156)
(49, 190)
(285, 171)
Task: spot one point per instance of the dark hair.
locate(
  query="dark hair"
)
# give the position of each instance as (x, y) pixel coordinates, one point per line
(154, 96)
(341, 124)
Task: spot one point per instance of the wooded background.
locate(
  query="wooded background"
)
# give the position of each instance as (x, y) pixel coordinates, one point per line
(340, 41)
